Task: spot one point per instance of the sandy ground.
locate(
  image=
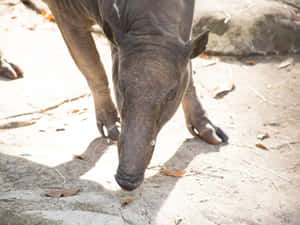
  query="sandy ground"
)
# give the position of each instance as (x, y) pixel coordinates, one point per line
(48, 116)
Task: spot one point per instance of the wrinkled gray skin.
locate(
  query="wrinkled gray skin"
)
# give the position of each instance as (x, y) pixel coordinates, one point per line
(151, 54)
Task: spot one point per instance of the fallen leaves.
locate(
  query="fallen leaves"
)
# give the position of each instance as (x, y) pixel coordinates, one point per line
(250, 62)
(262, 146)
(81, 157)
(263, 136)
(286, 63)
(48, 16)
(127, 201)
(58, 193)
(75, 110)
(210, 62)
(273, 124)
(78, 111)
(60, 129)
(204, 56)
(222, 89)
(32, 27)
(177, 173)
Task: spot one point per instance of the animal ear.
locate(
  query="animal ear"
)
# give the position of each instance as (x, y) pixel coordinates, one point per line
(196, 46)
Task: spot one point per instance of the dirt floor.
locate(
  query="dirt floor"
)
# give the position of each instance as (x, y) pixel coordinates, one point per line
(48, 116)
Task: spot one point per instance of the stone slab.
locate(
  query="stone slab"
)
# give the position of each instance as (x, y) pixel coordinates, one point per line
(249, 27)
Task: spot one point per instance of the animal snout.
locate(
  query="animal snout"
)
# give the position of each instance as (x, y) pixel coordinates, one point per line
(128, 182)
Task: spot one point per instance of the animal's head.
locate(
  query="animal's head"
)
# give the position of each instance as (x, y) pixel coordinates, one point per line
(153, 73)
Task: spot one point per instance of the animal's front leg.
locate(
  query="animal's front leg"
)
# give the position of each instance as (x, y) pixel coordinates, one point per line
(83, 50)
(197, 122)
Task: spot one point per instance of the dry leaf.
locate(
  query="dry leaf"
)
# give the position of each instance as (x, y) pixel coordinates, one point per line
(33, 27)
(222, 89)
(50, 17)
(210, 62)
(84, 110)
(58, 193)
(262, 136)
(250, 62)
(178, 173)
(75, 111)
(60, 129)
(204, 56)
(47, 15)
(273, 124)
(44, 13)
(126, 201)
(216, 88)
(82, 157)
(260, 145)
(286, 63)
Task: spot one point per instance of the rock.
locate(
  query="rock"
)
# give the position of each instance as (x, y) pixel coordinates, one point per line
(294, 3)
(249, 27)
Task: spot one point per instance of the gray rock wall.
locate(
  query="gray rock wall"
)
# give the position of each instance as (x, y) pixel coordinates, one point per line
(249, 27)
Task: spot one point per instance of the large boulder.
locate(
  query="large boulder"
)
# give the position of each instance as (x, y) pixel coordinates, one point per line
(238, 27)
(249, 27)
(294, 3)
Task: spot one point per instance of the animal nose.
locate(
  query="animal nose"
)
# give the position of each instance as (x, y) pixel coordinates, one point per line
(128, 182)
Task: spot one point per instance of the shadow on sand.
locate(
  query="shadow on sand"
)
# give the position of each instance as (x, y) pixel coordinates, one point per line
(21, 174)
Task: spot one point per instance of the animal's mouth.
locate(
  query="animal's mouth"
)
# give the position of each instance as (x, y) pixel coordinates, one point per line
(128, 182)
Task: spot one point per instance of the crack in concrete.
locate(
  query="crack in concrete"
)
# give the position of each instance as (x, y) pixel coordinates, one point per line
(17, 124)
(49, 108)
(126, 220)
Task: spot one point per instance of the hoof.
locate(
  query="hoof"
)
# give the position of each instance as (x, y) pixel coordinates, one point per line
(10, 70)
(209, 133)
(112, 132)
